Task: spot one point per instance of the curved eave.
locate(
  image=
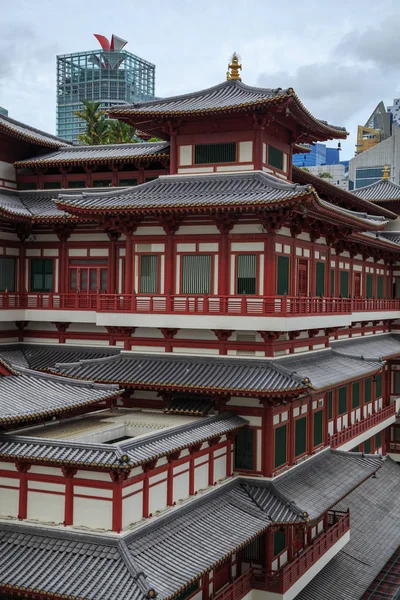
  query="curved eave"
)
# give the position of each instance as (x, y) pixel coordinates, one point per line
(304, 177)
(30, 219)
(91, 161)
(345, 382)
(31, 138)
(333, 213)
(376, 242)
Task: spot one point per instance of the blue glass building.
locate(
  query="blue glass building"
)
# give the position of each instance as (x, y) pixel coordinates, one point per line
(316, 156)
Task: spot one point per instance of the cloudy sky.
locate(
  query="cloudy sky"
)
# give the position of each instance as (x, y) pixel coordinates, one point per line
(341, 56)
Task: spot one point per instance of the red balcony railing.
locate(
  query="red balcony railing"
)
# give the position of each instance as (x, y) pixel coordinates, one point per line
(337, 439)
(238, 588)
(278, 306)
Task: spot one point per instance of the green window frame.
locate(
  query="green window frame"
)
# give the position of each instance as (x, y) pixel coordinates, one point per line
(355, 394)
(282, 275)
(397, 382)
(378, 385)
(379, 286)
(367, 390)
(344, 284)
(244, 449)
(148, 283)
(101, 183)
(128, 182)
(196, 273)
(76, 183)
(279, 541)
(52, 185)
(317, 426)
(280, 446)
(300, 440)
(7, 273)
(330, 405)
(246, 281)
(368, 285)
(367, 446)
(342, 400)
(41, 275)
(378, 440)
(206, 154)
(320, 279)
(332, 282)
(275, 158)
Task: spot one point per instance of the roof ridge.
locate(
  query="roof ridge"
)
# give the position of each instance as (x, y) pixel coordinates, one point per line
(138, 575)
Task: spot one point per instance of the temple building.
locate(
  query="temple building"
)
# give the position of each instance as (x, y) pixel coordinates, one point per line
(199, 348)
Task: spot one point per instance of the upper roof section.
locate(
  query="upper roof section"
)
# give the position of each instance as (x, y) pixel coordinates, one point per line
(231, 96)
(29, 134)
(380, 191)
(97, 155)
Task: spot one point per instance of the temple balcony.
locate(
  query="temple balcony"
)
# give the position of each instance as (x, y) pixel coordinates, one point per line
(287, 583)
(356, 434)
(272, 313)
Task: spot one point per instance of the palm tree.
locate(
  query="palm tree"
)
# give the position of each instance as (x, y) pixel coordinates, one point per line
(97, 125)
(121, 133)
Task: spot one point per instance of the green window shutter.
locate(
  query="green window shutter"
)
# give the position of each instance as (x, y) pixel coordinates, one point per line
(318, 438)
(367, 391)
(244, 449)
(355, 449)
(344, 284)
(330, 405)
(397, 287)
(148, 274)
(41, 275)
(379, 286)
(320, 279)
(355, 396)
(7, 274)
(196, 274)
(275, 158)
(280, 446)
(332, 282)
(342, 404)
(378, 379)
(368, 285)
(378, 440)
(279, 542)
(367, 446)
(300, 444)
(397, 382)
(246, 274)
(283, 275)
(205, 154)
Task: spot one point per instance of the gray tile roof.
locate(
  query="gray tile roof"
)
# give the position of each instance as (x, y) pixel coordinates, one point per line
(99, 154)
(38, 395)
(30, 134)
(327, 369)
(375, 347)
(390, 236)
(203, 374)
(381, 191)
(135, 452)
(45, 356)
(227, 96)
(31, 206)
(375, 535)
(175, 549)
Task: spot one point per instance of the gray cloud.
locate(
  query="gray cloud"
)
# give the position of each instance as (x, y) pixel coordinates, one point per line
(379, 44)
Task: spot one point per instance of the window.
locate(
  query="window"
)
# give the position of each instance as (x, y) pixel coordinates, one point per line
(75, 183)
(378, 380)
(330, 405)
(302, 277)
(378, 440)
(368, 285)
(252, 550)
(397, 382)
(275, 158)
(342, 402)
(300, 444)
(379, 286)
(148, 283)
(52, 185)
(320, 279)
(196, 274)
(41, 275)
(246, 274)
(205, 154)
(367, 446)
(355, 395)
(283, 275)
(367, 391)
(193, 587)
(332, 282)
(88, 274)
(280, 446)
(7, 274)
(128, 182)
(27, 185)
(101, 183)
(279, 541)
(318, 437)
(344, 284)
(244, 449)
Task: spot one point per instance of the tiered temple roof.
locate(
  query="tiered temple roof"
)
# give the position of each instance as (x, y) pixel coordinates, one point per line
(384, 190)
(30, 134)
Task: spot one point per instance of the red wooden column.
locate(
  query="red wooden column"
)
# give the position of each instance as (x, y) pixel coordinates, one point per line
(213, 442)
(118, 478)
(224, 224)
(23, 469)
(113, 236)
(173, 165)
(129, 229)
(170, 226)
(170, 477)
(269, 266)
(268, 441)
(69, 473)
(63, 233)
(258, 126)
(147, 468)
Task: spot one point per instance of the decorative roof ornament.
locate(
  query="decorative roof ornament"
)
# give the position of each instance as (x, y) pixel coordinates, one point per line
(233, 68)
(386, 172)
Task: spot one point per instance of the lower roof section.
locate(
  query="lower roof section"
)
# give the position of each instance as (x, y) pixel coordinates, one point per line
(370, 348)
(375, 536)
(171, 551)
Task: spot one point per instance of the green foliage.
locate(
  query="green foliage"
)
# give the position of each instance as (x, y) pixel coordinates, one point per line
(121, 133)
(100, 130)
(305, 169)
(325, 175)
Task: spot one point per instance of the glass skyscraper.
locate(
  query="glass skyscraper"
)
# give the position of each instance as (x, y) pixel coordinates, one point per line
(109, 75)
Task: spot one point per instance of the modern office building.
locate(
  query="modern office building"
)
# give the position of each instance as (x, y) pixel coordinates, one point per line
(376, 129)
(395, 110)
(367, 168)
(110, 75)
(316, 155)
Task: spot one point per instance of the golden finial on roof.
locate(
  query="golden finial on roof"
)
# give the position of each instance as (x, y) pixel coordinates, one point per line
(386, 172)
(233, 68)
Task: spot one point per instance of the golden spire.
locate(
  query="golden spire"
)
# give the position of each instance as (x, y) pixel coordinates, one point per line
(386, 172)
(233, 68)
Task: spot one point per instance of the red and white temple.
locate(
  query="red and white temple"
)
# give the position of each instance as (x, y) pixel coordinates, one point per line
(199, 353)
